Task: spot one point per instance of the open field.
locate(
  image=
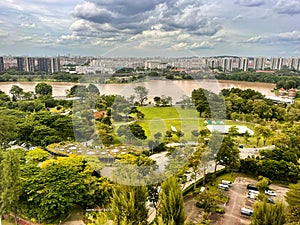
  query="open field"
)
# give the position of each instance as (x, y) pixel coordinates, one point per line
(160, 119)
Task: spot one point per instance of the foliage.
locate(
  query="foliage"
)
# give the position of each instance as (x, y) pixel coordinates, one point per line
(171, 207)
(293, 198)
(43, 89)
(265, 213)
(37, 155)
(128, 205)
(10, 184)
(141, 94)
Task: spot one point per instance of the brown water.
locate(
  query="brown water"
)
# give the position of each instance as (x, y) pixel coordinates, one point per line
(175, 89)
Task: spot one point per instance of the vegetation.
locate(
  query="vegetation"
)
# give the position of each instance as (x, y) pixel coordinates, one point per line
(268, 214)
(171, 208)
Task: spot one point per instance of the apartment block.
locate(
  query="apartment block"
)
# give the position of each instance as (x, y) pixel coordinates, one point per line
(1, 64)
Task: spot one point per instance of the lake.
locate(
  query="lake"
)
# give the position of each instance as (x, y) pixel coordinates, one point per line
(174, 88)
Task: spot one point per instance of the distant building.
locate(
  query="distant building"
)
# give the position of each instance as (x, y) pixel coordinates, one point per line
(259, 63)
(26, 64)
(1, 64)
(49, 65)
(227, 64)
(244, 64)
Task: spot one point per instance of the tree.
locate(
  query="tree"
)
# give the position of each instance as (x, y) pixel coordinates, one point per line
(37, 155)
(265, 213)
(141, 94)
(93, 89)
(45, 197)
(263, 183)
(43, 89)
(228, 154)
(16, 92)
(293, 198)
(8, 130)
(128, 205)
(171, 207)
(208, 201)
(10, 184)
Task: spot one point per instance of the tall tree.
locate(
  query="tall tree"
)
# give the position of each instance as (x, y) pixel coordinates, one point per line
(171, 207)
(128, 204)
(16, 92)
(293, 198)
(265, 213)
(43, 89)
(8, 130)
(141, 94)
(228, 154)
(10, 185)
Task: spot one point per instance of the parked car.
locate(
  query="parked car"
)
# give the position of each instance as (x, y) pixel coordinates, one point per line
(247, 212)
(253, 192)
(226, 182)
(252, 196)
(252, 187)
(223, 186)
(271, 193)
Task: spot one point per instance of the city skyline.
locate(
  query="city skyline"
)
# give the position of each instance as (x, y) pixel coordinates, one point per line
(140, 28)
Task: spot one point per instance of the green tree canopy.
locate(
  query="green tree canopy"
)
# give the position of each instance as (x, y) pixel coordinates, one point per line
(171, 207)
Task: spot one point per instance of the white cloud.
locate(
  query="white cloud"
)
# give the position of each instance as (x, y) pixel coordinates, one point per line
(254, 39)
(29, 25)
(290, 36)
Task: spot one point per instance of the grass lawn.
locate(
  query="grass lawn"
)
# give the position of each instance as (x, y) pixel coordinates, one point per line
(160, 119)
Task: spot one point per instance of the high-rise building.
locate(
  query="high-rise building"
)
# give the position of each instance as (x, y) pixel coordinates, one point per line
(26, 64)
(55, 65)
(20, 62)
(29, 64)
(227, 64)
(1, 64)
(44, 65)
(276, 63)
(244, 64)
(259, 63)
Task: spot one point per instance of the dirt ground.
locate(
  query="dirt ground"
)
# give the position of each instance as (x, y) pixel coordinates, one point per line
(192, 212)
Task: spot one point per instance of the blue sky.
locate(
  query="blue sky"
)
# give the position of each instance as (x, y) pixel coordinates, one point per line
(150, 27)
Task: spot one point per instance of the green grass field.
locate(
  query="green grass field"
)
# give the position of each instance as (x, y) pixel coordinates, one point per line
(160, 119)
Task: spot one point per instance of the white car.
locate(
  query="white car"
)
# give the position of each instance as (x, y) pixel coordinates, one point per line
(252, 196)
(271, 193)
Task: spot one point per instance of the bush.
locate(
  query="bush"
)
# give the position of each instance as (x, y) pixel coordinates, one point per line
(220, 210)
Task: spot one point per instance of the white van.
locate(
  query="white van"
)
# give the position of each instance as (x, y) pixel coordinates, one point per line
(227, 182)
(223, 186)
(247, 212)
(253, 192)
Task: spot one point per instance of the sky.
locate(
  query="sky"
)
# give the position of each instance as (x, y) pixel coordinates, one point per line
(142, 28)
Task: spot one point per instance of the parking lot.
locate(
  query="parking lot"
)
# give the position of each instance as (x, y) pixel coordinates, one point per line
(238, 199)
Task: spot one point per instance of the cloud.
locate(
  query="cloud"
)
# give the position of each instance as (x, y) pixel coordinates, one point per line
(290, 7)
(202, 45)
(254, 39)
(118, 17)
(250, 3)
(289, 36)
(29, 25)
